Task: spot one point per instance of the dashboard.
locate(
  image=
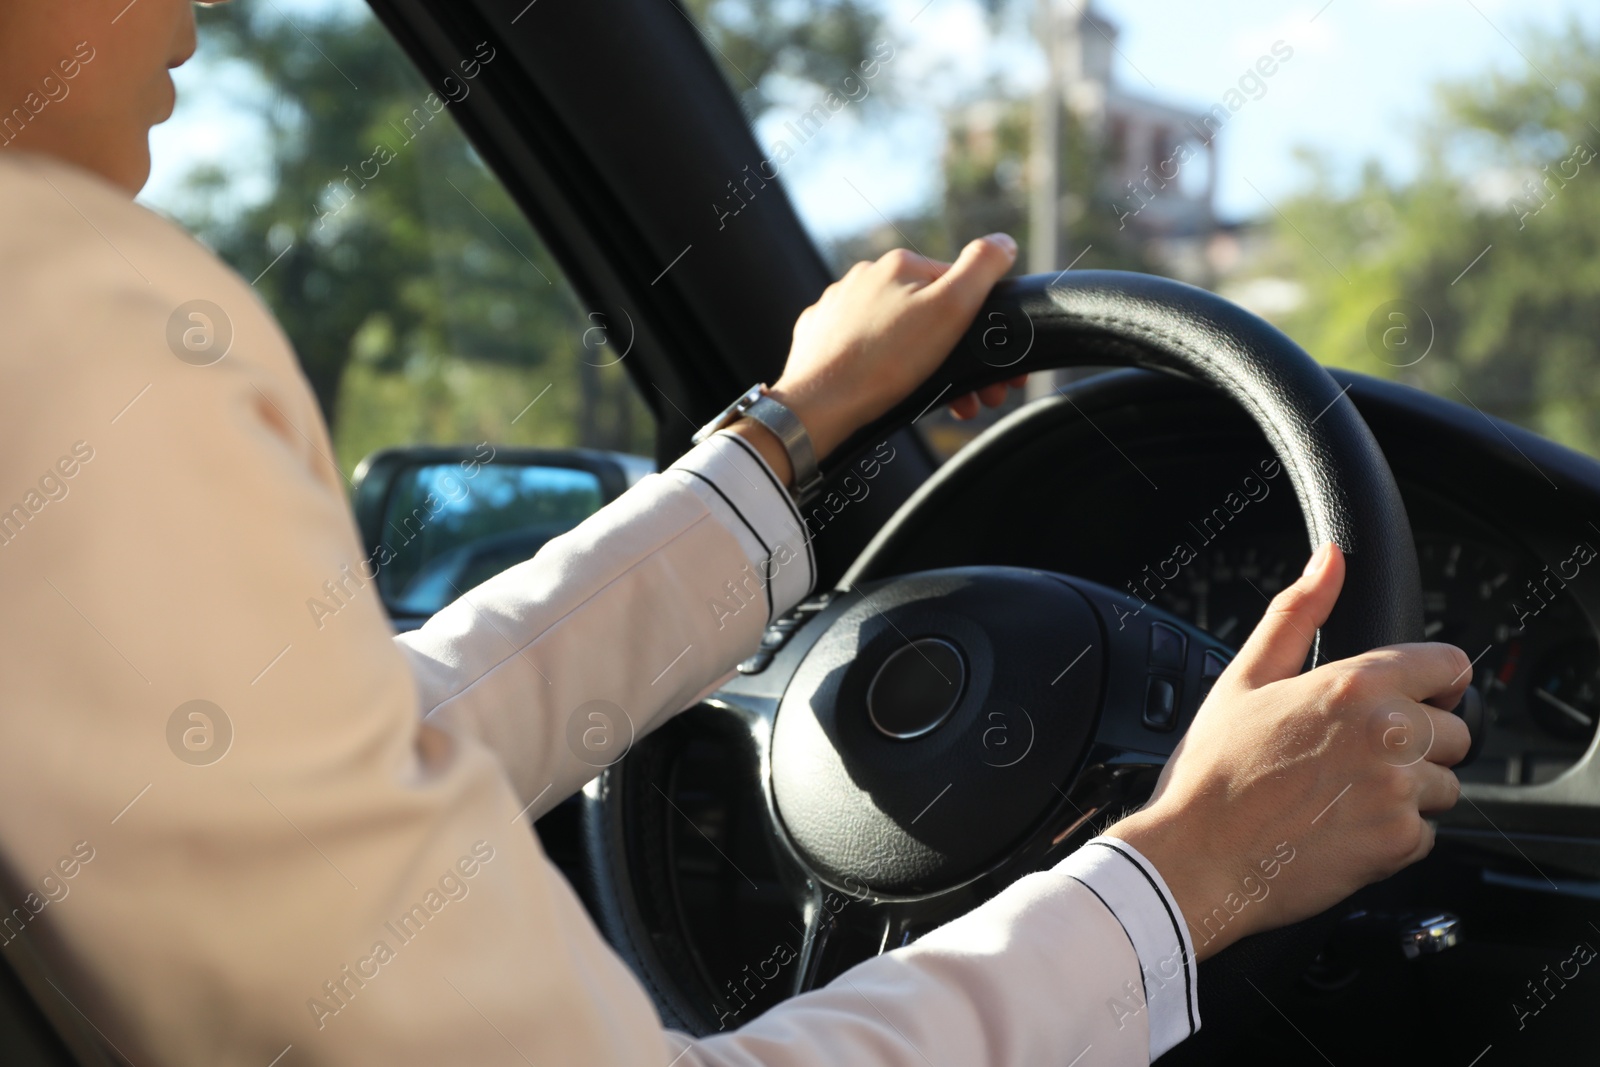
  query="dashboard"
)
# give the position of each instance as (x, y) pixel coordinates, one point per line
(1157, 488)
(1536, 659)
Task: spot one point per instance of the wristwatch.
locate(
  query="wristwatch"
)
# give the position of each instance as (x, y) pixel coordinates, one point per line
(785, 426)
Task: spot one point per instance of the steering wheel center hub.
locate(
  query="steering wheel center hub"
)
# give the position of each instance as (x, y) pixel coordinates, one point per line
(928, 730)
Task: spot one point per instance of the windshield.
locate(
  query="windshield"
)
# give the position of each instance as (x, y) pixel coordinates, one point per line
(1408, 190)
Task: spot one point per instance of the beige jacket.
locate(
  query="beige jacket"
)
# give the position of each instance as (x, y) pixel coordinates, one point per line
(329, 861)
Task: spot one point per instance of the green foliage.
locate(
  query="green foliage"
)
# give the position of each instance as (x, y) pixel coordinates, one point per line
(422, 306)
(1511, 174)
(760, 43)
(986, 191)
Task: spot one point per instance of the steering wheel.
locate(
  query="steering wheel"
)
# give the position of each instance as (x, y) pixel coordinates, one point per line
(923, 740)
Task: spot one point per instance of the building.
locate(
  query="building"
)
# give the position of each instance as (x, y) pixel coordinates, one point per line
(1158, 173)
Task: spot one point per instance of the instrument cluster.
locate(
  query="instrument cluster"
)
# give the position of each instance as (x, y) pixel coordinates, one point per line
(1535, 655)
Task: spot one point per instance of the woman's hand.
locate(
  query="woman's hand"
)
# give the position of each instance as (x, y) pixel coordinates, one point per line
(878, 332)
(1291, 791)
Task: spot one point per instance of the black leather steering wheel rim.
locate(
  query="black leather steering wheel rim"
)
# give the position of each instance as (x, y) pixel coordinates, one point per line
(1098, 318)
(1117, 318)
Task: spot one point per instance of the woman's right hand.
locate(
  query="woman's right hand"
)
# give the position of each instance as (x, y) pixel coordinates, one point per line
(1291, 791)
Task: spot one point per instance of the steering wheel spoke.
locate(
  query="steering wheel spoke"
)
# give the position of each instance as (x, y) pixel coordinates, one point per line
(843, 929)
(1159, 670)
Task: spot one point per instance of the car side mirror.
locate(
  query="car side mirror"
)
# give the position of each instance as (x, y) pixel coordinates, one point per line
(437, 521)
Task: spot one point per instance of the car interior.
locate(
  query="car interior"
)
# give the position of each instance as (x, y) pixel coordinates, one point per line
(1091, 561)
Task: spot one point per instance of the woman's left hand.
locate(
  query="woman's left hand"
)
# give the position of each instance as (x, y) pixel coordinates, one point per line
(878, 332)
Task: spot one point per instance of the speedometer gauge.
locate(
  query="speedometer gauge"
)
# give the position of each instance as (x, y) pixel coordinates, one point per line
(1227, 591)
(1540, 682)
(1467, 594)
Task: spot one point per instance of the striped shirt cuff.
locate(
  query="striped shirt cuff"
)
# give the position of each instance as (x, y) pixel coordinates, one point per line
(1132, 889)
(741, 490)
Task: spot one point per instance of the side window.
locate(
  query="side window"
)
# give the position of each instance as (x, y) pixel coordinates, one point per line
(308, 151)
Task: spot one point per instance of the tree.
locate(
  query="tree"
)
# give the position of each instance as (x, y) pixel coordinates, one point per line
(986, 184)
(760, 44)
(420, 302)
(1494, 247)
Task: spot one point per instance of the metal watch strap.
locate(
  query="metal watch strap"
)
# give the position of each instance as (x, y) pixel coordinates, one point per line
(786, 426)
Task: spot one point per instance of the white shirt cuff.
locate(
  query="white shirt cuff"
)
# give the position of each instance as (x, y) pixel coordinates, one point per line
(742, 491)
(1132, 889)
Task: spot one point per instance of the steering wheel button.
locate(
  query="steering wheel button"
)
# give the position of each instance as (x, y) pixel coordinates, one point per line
(1213, 665)
(1169, 649)
(756, 663)
(773, 638)
(1160, 704)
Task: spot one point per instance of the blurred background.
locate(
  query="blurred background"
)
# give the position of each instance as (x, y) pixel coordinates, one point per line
(1409, 188)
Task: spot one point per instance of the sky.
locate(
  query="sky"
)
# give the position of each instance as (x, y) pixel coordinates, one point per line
(1358, 86)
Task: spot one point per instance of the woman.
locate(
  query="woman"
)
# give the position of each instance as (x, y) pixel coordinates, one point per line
(356, 882)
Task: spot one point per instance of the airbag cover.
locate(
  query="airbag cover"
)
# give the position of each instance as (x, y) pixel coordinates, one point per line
(908, 816)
